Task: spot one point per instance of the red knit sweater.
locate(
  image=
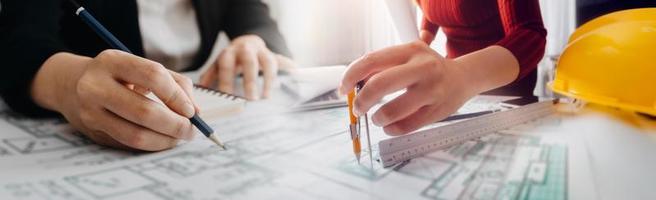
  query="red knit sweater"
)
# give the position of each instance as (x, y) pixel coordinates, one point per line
(471, 25)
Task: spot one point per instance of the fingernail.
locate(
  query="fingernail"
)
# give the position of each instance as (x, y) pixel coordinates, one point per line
(357, 112)
(376, 121)
(174, 143)
(391, 131)
(345, 91)
(188, 110)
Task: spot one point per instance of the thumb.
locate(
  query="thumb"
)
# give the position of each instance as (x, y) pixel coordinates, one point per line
(426, 36)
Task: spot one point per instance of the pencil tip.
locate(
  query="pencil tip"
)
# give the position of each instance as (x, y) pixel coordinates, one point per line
(216, 140)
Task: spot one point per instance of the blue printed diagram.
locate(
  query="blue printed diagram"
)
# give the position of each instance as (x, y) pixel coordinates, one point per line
(503, 167)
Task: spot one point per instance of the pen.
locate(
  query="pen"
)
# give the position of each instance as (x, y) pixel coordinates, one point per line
(355, 135)
(115, 43)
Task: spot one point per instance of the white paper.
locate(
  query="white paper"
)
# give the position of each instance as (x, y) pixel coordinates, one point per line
(280, 155)
(621, 155)
(50, 143)
(310, 82)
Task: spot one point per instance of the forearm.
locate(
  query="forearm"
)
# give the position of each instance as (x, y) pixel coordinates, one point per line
(58, 74)
(489, 68)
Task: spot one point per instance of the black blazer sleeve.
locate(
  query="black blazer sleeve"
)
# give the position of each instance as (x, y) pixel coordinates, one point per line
(29, 37)
(253, 17)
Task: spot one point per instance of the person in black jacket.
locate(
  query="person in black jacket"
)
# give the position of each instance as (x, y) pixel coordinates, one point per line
(54, 64)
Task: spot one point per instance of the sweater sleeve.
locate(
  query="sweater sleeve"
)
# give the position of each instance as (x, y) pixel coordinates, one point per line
(525, 35)
(29, 37)
(253, 17)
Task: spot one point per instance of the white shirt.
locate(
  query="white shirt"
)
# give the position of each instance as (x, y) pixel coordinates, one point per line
(169, 32)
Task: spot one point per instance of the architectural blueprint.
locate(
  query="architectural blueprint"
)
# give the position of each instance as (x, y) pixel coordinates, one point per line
(48, 142)
(273, 155)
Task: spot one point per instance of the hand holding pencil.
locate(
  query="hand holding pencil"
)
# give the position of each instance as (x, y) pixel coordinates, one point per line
(103, 97)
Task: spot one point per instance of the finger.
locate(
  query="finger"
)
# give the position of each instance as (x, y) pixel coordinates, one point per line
(208, 79)
(141, 90)
(145, 112)
(422, 117)
(426, 36)
(269, 71)
(238, 71)
(134, 136)
(384, 83)
(149, 74)
(399, 108)
(102, 138)
(285, 64)
(96, 135)
(187, 86)
(374, 62)
(130, 86)
(248, 61)
(138, 89)
(226, 70)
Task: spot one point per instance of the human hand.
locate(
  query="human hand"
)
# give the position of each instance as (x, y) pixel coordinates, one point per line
(426, 37)
(246, 55)
(104, 98)
(435, 86)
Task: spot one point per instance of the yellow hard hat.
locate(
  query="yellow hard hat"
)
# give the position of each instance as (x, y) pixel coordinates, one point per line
(611, 61)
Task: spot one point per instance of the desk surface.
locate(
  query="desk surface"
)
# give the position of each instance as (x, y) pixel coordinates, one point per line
(272, 155)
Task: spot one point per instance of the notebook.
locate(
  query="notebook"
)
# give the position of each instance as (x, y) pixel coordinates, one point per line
(214, 103)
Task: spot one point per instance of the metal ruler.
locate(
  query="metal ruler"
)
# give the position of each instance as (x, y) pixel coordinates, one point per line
(402, 148)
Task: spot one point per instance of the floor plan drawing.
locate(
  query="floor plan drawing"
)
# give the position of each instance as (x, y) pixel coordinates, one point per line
(301, 156)
(501, 166)
(49, 141)
(4, 152)
(36, 145)
(41, 135)
(504, 167)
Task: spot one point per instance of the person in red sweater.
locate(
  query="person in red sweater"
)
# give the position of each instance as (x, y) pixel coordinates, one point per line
(493, 47)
